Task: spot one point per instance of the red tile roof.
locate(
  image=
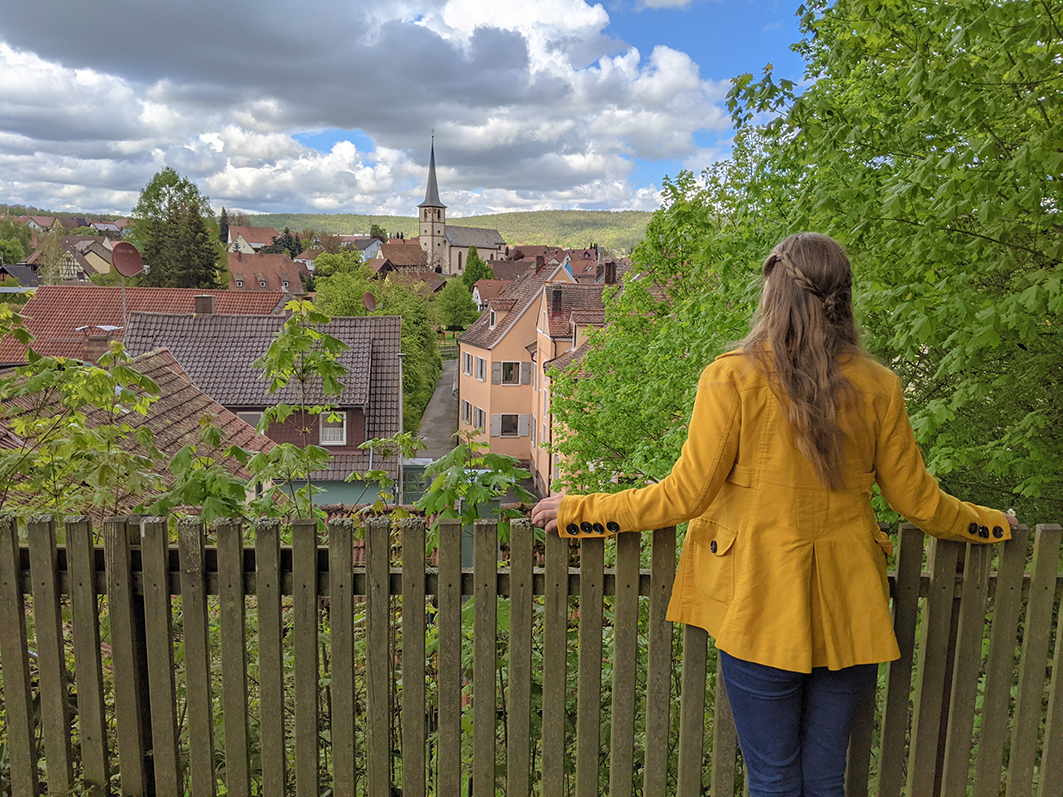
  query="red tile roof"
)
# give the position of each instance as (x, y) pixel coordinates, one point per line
(58, 315)
(407, 255)
(262, 236)
(489, 289)
(574, 299)
(273, 270)
(517, 298)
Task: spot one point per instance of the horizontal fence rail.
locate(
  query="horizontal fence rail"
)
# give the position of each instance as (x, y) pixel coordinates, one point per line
(143, 660)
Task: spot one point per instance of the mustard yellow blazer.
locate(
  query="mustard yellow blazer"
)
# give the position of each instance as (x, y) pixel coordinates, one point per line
(779, 569)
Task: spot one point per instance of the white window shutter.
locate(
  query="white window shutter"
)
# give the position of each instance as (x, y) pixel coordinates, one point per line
(522, 425)
(496, 425)
(496, 374)
(525, 373)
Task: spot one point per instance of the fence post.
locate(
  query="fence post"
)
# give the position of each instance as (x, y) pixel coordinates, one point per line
(448, 618)
(485, 655)
(518, 761)
(304, 631)
(127, 701)
(413, 662)
(341, 648)
(88, 665)
(378, 575)
(625, 665)
(692, 711)
(14, 655)
(659, 661)
(555, 658)
(589, 699)
(234, 657)
(199, 701)
(270, 656)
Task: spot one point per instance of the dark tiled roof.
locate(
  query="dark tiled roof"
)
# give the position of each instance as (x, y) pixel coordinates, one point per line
(56, 312)
(596, 317)
(25, 275)
(217, 352)
(480, 237)
(274, 270)
(431, 193)
(574, 298)
(521, 293)
(512, 269)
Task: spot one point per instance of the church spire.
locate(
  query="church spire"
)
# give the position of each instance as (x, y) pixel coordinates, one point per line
(431, 194)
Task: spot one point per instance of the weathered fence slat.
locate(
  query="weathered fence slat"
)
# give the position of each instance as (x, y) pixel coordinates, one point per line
(270, 656)
(518, 730)
(625, 665)
(158, 639)
(1031, 685)
(448, 756)
(413, 658)
(51, 659)
(233, 629)
(377, 645)
(123, 655)
(724, 740)
(1052, 749)
(894, 735)
(14, 656)
(485, 638)
(341, 653)
(659, 658)
(589, 698)
(969, 634)
(304, 633)
(88, 665)
(555, 654)
(692, 711)
(199, 701)
(932, 673)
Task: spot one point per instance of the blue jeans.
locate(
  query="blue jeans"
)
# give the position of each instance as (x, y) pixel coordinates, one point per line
(793, 728)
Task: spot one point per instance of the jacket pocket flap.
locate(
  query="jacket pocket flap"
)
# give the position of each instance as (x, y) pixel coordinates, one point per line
(718, 537)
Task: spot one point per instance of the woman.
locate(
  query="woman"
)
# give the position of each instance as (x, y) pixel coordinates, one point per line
(783, 561)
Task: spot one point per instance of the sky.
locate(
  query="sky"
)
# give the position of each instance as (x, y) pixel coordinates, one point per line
(329, 106)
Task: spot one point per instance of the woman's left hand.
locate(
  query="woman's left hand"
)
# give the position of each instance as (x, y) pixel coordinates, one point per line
(545, 513)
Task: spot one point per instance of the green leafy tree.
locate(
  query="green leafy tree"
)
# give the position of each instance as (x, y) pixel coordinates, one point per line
(51, 258)
(340, 294)
(11, 251)
(19, 231)
(342, 261)
(475, 269)
(378, 232)
(455, 305)
(175, 229)
(287, 242)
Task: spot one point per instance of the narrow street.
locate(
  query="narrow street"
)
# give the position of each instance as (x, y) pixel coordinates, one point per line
(440, 419)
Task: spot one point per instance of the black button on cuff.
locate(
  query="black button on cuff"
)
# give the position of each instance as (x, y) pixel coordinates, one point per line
(599, 528)
(983, 532)
(972, 529)
(572, 529)
(998, 532)
(586, 527)
(713, 546)
(613, 526)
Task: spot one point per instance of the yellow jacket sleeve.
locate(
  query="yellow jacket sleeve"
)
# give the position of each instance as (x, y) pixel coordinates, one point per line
(707, 458)
(910, 489)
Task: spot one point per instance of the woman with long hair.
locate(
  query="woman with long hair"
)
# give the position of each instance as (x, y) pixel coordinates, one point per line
(783, 562)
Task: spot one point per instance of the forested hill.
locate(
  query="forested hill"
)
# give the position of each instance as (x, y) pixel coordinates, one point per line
(621, 229)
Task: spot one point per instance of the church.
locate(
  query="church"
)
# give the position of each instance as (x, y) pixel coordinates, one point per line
(446, 247)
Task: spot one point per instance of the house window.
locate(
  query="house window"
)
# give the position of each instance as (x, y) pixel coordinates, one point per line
(532, 429)
(466, 363)
(466, 411)
(494, 319)
(510, 373)
(481, 369)
(262, 283)
(509, 426)
(333, 432)
(250, 417)
(239, 283)
(285, 284)
(478, 418)
(544, 432)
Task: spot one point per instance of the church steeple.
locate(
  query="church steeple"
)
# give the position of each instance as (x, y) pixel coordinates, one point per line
(431, 194)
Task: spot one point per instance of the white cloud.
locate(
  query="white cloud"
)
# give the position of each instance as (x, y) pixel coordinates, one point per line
(533, 104)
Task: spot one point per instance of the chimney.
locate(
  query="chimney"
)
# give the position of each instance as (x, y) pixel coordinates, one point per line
(204, 305)
(610, 273)
(540, 261)
(93, 346)
(555, 300)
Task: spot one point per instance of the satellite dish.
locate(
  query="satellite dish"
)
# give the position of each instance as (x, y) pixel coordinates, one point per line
(369, 300)
(126, 259)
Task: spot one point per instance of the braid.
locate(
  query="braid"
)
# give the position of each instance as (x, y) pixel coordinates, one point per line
(797, 275)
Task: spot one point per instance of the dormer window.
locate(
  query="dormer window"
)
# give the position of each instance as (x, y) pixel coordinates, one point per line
(494, 319)
(285, 284)
(239, 283)
(262, 283)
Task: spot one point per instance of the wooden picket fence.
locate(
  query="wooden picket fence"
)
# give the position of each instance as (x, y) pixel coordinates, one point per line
(975, 680)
